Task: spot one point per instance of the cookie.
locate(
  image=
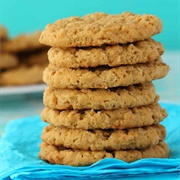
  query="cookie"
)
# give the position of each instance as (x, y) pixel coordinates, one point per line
(115, 98)
(22, 75)
(105, 119)
(116, 55)
(3, 33)
(8, 61)
(104, 77)
(98, 140)
(38, 57)
(61, 155)
(23, 42)
(99, 28)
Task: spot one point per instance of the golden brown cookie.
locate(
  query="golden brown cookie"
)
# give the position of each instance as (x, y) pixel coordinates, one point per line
(40, 58)
(98, 140)
(8, 61)
(61, 155)
(22, 75)
(104, 77)
(98, 28)
(115, 98)
(23, 42)
(105, 119)
(3, 33)
(116, 55)
(34, 58)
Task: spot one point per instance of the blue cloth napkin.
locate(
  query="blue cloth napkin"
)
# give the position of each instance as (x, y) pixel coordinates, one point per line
(20, 146)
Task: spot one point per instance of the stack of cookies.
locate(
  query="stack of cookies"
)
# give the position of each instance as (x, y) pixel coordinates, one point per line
(100, 100)
(22, 59)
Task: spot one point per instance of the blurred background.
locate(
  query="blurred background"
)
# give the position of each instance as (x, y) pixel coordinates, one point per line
(20, 16)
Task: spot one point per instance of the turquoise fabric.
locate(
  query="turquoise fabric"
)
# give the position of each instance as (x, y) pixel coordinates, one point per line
(20, 146)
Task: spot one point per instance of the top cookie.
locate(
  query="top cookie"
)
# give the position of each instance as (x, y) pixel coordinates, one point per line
(23, 42)
(98, 28)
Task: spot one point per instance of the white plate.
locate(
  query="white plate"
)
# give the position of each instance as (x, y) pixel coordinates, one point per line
(15, 90)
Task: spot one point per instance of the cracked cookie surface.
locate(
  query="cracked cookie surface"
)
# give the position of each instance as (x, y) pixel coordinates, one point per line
(97, 140)
(99, 28)
(104, 77)
(105, 119)
(115, 98)
(61, 155)
(116, 55)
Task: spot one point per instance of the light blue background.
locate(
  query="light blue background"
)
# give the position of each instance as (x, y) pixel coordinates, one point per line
(24, 16)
